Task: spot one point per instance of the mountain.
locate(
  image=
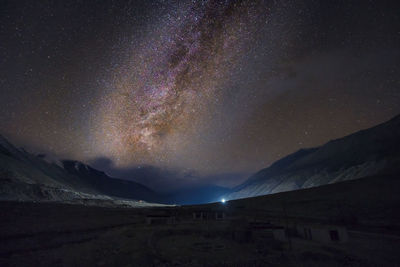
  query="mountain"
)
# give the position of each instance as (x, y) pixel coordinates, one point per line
(368, 152)
(28, 177)
(106, 185)
(195, 194)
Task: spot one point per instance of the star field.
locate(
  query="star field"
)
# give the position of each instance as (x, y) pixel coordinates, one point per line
(172, 81)
(207, 87)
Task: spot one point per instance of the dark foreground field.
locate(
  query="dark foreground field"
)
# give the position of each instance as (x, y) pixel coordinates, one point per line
(237, 233)
(65, 235)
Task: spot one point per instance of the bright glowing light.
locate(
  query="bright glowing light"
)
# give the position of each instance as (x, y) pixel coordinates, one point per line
(223, 200)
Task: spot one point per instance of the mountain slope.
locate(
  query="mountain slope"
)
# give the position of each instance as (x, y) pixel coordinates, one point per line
(26, 177)
(104, 184)
(364, 153)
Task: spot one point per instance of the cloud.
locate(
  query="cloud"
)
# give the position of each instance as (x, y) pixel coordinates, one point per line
(165, 180)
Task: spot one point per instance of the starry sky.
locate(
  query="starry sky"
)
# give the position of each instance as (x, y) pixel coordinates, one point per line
(212, 89)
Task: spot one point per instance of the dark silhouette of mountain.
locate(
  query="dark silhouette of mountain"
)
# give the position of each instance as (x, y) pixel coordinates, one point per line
(371, 152)
(106, 185)
(28, 177)
(368, 152)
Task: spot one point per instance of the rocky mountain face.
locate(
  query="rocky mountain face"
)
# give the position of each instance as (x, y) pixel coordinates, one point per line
(28, 177)
(106, 185)
(365, 153)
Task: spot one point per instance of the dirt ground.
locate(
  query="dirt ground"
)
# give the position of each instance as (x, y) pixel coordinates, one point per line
(70, 235)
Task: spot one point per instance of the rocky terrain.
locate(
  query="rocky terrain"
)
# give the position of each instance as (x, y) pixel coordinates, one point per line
(368, 152)
(28, 177)
(58, 234)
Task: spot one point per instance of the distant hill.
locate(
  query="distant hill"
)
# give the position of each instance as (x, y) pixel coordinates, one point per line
(375, 151)
(28, 177)
(369, 152)
(107, 185)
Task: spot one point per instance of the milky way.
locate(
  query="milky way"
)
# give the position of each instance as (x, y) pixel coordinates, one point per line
(213, 88)
(173, 79)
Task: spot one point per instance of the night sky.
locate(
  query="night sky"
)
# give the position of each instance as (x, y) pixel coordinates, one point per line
(216, 89)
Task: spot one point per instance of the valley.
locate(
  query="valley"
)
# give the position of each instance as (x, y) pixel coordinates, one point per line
(259, 231)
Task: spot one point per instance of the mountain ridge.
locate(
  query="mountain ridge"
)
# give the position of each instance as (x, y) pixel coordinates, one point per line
(28, 177)
(366, 152)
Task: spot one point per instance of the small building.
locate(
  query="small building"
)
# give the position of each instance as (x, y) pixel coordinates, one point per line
(220, 215)
(261, 225)
(209, 215)
(160, 219)
(280, 234)
(322, 233)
